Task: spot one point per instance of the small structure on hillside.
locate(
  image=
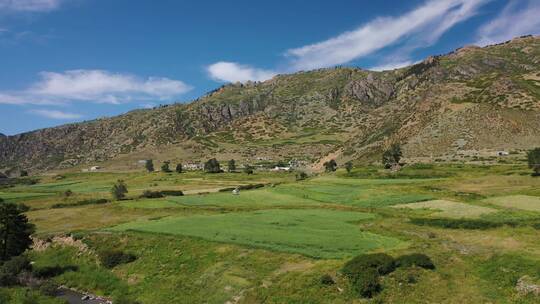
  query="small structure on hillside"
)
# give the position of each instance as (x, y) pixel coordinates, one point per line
(502, 153)
(236, 191)
(278, 168)
(95, 168)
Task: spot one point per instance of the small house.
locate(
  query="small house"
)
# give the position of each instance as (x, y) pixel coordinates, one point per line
(502, 153)
(95, 168)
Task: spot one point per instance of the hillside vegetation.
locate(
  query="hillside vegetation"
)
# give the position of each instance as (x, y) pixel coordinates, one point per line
(451, 106)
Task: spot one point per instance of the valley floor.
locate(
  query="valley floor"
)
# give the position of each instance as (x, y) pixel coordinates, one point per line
(479, 224)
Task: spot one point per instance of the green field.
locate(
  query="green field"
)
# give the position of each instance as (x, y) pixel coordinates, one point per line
(272, 244)
(313, 232)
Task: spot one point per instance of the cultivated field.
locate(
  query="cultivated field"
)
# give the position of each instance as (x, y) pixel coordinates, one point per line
(479, 225)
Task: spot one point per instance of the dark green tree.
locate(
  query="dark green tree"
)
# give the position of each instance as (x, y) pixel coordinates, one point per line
(119, 190)
(15, 231)
(179, 168)
(330, 166)
(165, 167)
(349, 166)
(24, 173)
(533, 158)
(149, 165)
(212, 166)
(231, 166)
(392, 156)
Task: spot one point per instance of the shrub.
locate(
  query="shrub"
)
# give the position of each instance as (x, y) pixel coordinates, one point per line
(149, 165)
(165, 167)
(381, 262)
(301, 176)
(12, 268)
(392, 156)
(367, 283)
(172, 192)
(49, 288)
(151, 194)
(113, 258)
(52, 271)
(179, 168)
(533, 159)
(248, 169)
(81, 203)
(330, 166)
(415, 259)
(212, 166)
(326, 279)
(68, 193)
(458, 223)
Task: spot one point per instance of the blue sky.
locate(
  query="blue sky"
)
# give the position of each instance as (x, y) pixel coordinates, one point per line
(64, 61)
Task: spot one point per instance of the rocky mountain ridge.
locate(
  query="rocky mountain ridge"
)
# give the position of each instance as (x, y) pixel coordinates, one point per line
(469, 100)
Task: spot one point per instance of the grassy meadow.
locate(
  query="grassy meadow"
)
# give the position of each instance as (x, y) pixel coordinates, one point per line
(479, 224)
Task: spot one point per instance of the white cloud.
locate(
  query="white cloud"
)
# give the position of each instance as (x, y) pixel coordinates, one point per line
(54, 114)
(512, 22)
(418, 28)
(29, 5)
(233, 72)
(95, 86)
(422, 26)
(392, 65)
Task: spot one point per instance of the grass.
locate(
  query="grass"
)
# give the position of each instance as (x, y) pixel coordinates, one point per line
(522, 202)
(259, 246)
(450, 209)
(312, 232)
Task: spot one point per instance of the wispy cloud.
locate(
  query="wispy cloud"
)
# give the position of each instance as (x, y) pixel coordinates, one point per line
(513, 21)
(54, 114)
(96, 86)
(391, 65)
(422, 26)
(29, 5)
(233, 72)
(418, 28)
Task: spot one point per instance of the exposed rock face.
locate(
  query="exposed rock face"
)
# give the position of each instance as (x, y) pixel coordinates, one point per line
(488, 97)
(375, 89)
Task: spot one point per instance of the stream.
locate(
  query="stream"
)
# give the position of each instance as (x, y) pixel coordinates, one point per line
(73, 297)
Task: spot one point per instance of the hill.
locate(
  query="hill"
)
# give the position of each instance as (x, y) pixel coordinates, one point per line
(459, 105)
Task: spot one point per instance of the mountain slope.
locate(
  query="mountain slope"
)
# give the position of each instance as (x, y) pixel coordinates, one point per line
(472, 99)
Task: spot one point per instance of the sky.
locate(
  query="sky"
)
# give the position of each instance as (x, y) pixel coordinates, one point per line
(64, 61)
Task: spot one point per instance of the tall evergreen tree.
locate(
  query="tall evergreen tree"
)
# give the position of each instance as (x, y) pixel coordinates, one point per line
(149, 165)
(212, 166)
(179, 168)
(533, 158)
(231, 165)
(15, 231)
(119, 190)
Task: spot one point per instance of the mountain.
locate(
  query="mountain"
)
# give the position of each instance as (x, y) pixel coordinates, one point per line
(445, 107)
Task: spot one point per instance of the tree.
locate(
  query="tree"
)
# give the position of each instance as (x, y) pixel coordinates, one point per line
(533, 158)
(15, 231)
(330, 166)
(232, 166)
(24, 173)
(149, 165)
(248, 169)
(165, 167)
(392, 156)
(301, 175)
(212, 166)
(179, 168)
(119, 190)
(349, 167)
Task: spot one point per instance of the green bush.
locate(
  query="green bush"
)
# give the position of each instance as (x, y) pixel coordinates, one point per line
(113, 258)
(12, 268)
(172, 192)
(152, 194)
(49, 288)
(367, 283)
(415, 259)
(381, 262)
(81, 203)
(326, 279)
(52, 271)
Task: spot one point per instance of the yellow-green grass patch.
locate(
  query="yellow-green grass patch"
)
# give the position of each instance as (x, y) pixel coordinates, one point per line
(523, 202)
(450, 209)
